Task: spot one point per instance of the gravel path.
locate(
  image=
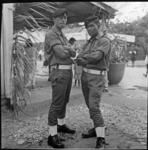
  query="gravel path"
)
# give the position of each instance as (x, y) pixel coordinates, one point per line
(126, 122)
(125, 129)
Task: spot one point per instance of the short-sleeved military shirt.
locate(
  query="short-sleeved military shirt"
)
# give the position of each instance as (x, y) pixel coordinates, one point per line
(95, 45)
(53, 38)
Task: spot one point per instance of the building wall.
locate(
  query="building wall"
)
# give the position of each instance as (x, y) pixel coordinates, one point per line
(6, 49)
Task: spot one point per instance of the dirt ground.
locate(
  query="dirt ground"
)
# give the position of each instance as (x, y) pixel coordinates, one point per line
(126, 123)
(35, 122)
(114, 136)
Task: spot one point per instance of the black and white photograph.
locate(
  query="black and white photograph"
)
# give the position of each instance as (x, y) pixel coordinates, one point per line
(74, 75)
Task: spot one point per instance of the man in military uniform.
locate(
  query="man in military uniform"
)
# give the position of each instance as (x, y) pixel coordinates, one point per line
(57, 46)
(94, 58)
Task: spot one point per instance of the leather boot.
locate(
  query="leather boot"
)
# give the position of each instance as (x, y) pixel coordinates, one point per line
(55, 142)
(65, 129)
(91, 133)
(100, 143)
(61, 139)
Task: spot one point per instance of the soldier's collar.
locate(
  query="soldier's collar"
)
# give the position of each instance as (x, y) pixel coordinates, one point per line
(99, 36)
(95, 37)
(57, 31)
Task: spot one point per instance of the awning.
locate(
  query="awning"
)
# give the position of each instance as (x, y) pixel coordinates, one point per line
(79, 11)
(38, 14)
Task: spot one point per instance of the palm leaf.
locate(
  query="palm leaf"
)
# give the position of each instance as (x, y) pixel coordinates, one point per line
(34, 20)
(26, 15)
(30, 35)
(21, 66)
(31, 25)
(37, 12)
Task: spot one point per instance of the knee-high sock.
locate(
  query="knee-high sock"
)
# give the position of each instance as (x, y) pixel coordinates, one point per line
(100, 131)
(61, 121)
(53, 130)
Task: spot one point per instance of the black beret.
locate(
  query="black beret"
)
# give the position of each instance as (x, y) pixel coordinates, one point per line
(60, 12)
(90, 19)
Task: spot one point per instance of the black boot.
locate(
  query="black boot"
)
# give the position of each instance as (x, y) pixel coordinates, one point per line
(55, 142)
(91, 133)
(100, 143)
(65, 129)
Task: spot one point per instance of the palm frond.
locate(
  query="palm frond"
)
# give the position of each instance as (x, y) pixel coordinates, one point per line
(30, 35)
(22, 66)
(28, 14)
(47, 6)
(31, 25)
(39, 13)
(34, 20)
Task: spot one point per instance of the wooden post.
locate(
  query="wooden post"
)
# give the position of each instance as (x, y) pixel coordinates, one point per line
(6, 49)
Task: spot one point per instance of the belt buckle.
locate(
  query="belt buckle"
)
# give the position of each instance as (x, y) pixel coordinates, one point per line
(86, 70)
(102, 72)
(54, 67)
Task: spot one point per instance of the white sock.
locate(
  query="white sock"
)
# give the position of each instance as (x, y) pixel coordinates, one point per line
(100, 131)
(53, 130)
(61, 121)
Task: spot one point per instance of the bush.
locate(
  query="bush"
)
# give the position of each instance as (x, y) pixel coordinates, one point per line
(118, 51)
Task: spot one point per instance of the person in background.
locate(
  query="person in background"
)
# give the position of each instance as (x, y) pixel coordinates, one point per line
(40, 54)
(49, 73)
(77, 70)
(132, 55)
(77, 75)
(72, 42)
(133, 58)
(146, 63)
(106, 82)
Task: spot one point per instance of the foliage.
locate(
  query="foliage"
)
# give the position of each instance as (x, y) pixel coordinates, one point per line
(21, 66)
(118, 50)
(139, 28)
(39, 14)
(33, 15)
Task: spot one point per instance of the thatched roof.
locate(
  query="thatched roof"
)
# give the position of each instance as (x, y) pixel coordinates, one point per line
(39, 14)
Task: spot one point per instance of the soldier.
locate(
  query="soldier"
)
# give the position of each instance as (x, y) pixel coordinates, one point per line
(94, 58)
(57, 46)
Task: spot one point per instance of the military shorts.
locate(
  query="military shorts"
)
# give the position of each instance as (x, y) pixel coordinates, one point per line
(92, 88)
(61, 82)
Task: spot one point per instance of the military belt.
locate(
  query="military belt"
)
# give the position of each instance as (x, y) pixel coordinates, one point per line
(92, 71)
(63, 67)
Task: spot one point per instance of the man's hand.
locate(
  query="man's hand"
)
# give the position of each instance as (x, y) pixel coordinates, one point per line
(66, 51)
(81, 61)
(67, 47)
(69, 50)
(82, 54)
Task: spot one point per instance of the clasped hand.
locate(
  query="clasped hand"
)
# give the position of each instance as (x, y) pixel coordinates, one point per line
(68, 49)
(81, 61)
